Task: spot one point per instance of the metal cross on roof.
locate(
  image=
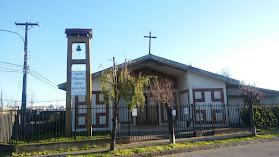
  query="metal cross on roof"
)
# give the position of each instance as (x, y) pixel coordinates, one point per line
(149, 40)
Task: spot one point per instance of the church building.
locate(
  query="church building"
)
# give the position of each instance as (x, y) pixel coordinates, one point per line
(191, 86)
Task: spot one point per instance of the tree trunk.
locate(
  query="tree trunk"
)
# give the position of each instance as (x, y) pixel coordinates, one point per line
(114, 127)
(171, 125)
(113, 134)
(253, 126)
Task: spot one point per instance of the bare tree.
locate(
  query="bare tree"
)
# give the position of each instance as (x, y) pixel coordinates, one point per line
(162, 91)
(224, 72)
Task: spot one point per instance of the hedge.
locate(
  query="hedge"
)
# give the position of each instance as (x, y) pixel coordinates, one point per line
(264, 116)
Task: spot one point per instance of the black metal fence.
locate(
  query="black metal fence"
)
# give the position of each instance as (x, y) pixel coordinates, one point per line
(141, 123)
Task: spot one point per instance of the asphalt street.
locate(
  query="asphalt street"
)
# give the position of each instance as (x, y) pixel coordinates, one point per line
(267, 149)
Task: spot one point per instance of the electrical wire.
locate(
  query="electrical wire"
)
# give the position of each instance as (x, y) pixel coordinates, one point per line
(44, 80)
(8, 68)
(51, 86)
(17, 71)
(44, 77)
(8, 100)
(1, 62)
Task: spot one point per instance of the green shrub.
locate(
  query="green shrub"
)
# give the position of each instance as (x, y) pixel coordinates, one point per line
(275, 111)
(264, 116)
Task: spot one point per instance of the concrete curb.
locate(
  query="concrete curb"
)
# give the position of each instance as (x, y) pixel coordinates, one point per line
(207, 147)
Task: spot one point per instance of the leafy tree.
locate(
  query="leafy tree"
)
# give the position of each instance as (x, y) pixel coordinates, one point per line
(252, 96)
(162, 91)
(119, 84)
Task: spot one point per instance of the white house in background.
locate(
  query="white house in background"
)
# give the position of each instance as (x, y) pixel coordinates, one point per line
(192, 86)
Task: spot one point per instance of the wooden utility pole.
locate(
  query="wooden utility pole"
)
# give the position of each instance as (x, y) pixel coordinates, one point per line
(25, 69)
(78, 36)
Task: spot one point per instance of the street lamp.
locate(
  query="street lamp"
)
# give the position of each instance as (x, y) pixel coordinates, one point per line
(13, 33)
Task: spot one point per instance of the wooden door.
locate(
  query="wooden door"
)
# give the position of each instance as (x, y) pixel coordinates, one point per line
(148, 113)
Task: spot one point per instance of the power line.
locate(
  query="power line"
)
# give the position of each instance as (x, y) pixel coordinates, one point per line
(44, 77)
(53, 87)
(10, 63)
(17, 71)
(8, 100)
(43, 81)
(8, 68)
(5, 69)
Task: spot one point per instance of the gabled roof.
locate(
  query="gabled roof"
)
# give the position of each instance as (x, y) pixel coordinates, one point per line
(234, 91)
(169, 63)
(175, 65)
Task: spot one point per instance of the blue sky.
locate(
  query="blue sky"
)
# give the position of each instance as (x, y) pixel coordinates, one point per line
(241, 36)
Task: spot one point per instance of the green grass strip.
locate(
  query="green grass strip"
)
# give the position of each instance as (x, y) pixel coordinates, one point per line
(131, 151)
(62, 139)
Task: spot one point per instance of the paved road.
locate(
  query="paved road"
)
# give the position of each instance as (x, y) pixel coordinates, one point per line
(267, 149)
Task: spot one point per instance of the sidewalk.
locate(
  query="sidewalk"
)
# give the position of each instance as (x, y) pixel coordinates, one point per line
(157, 142)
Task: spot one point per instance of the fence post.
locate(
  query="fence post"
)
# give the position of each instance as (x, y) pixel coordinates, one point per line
(17, 124)
(193, 117)
(229, 121)
(200, 117)
(211, 116)
(129, 129)
(238, 115)
(76, 121)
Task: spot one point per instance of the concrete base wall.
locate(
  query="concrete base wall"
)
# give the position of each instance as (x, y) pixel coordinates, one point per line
(56, 146)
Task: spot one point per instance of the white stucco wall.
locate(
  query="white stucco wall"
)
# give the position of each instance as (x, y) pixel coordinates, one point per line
(276, 99)
(96, 83)
(182, 82)
(183, 85)
(270, 99)
(198, 81)
(233, 100)
(201, 81)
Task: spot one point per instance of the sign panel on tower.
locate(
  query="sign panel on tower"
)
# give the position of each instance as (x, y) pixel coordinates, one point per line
(78, 86)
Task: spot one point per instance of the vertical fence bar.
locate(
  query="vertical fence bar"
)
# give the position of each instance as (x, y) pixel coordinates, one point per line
(17, 125)
(76, 120)
(238, 114)
(48, 123)
(193, 117)
(200, 117)
(56, 127)
(211, 116)
(39, 123)
(229, 117)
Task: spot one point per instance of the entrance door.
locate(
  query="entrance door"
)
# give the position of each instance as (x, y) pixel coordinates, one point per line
(148, 113)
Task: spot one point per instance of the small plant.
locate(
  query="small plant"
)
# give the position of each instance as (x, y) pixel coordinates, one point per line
(271, 129)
